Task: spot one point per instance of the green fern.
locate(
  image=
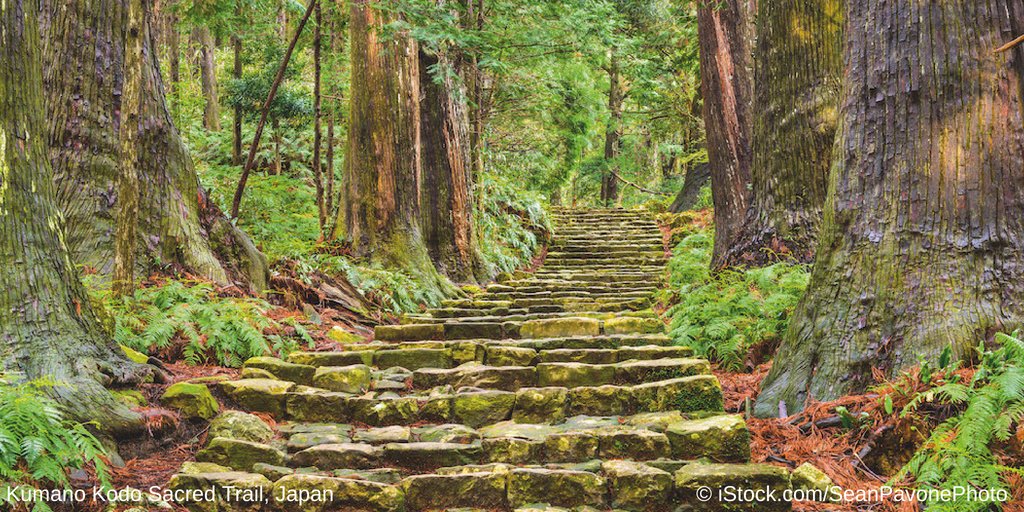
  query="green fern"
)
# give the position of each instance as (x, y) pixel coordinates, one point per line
(958, 453)
(38, 446)
(721, 316)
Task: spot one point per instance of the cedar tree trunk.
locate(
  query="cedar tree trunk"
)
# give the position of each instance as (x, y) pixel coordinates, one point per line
(924, 226)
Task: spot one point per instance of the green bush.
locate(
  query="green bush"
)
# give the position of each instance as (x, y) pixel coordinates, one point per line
(959, 452)
(723, 315)
(38, 446)
(224, 330)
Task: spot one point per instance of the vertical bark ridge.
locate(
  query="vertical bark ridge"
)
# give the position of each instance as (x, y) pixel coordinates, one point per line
(924, 223)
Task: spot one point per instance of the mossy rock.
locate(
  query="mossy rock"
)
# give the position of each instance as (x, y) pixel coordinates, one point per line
(540, 405)
(723, 438)
(560, 327)
(345, 379)
(242, 426)
(409, 332)
(234, 490)
(625, 443)
(485, 490)
(692, 477)
(192, 400)
(573, 375)
(260, 395)
(633, 325)
(510, 356)
(686, 394)
(344, 337)
(431, 455)
(345, 358)
(636, 486)
(399, 411)
(413, 358)
(601, 401)
(806, 477)
(447, 433)
(272, 472)
(195, 468)
(239, 455)
(338, 456)
(562, 488)
(511, 450)
(482, 408)
(256, 373)
(130, 397)
(297, 373)
(134, 355)
(570, 447)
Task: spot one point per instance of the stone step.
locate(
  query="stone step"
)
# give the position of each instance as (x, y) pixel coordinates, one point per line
(287, 400)
(553, 285)
(530, 325)
(617, 262)
(604, 255)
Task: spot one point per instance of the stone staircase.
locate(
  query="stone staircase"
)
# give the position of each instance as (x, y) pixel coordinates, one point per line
(556, 390)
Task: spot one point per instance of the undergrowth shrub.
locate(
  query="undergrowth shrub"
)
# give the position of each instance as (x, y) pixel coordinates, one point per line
(722, 315)
(210, 328)
(509, 224)
(39, 446)
(990, 407)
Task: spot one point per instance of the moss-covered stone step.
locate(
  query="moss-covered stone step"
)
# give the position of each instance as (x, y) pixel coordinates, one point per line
(287, 400)
(606, 263)
(531, 325)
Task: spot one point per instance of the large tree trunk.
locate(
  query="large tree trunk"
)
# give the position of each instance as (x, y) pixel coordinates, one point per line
(383, 166)
(48, 328)
(797, 81)
(208, 77)
(236, 125)
(726, 32)
(178, 226)
(613, 132)
(924, 226)
(446, 197)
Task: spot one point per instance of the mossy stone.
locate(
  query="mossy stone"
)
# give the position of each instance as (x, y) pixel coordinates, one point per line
(807, 477)
(413, 358)
(134, 355)
(510, 356)
(633, 325)
(722, 438)
(409, 332)
(345, 358)
(601, 401)
(431, 455)
(572, 375)
(559, 327)
(511, 450)
(686, 394)
(246, 490)
(345, 379)
(636, 486)
(484, 490)
(636, 444)
(240, 455)
(540, 405)
(303, 493)
(562, 488)
(195, 468)
(338, 456)
(192, 400)
(692, 477)
(570, 447)
(242, 426)
(297, 373)
(260, 395)
(344, 337)
(483, 407)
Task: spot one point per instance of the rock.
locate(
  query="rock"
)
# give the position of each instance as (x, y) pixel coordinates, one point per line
(480, 490)
(409, 332)
(398, 411)
(687, 394)
(431, 455)
(347, 358)
(806, 477)
(447, 433)
(240, 455)
(436, 409)
(134, 355)
(383, 435)
(637, 444)
(130, 398)
(505, 378)
(192, 400)
(338, 456)
(297, 373)
(242, 426)
(601, 401)
(635, 486)
(741, 476)
(540, 405)
(322, 406)
(344, 337)
(303, 440)
(224, 491)
(510, 356)
(467, 352)
(570, 447)
(260, 395)
(562, 488)
(572, 375)
(255, 373)
(413, 358)
(366, 495)
(558, 327)
(345, 379)
(273, 473)
(586, 355)
(482, 408)
(195, 468)
(383, 475)
(722, 438)
(631, 325)
(510, 450)
(637, 372)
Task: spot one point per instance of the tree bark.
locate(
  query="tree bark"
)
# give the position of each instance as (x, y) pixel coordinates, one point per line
(613, 132)
(178, 227)
(924, 225)
(174, 53)
(726, 33)
(318, 175)
(236, 133)
(48, 329)
(474, 20)
(383, 163)
(446, 197)
(208, 77)
(799, 66)
(128, 186)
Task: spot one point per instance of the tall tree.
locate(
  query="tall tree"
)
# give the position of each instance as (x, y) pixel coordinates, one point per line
(83, 49)
(48, 329)
(797, 82)
(726, 33)
(924, 225)
(128, 186)
(446, 196)
(208, 76)
(236, 73)
(613, 131)
(383, 164)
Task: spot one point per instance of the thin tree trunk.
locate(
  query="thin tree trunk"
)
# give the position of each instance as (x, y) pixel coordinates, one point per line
(726, 32)
(921, 244)
(178, 227)
(318, 177)
(174, 58)
(447, 204)
(613, 132)
(48, 328)
(208, 77)
(236, 46)
(236, 203)
(128, 190)
(797, 87)
(475, 82)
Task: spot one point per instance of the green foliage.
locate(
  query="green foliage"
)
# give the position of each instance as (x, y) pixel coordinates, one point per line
(959, 452)
(723, 315)
(224, 330)
(508, 225)
(38, 446)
